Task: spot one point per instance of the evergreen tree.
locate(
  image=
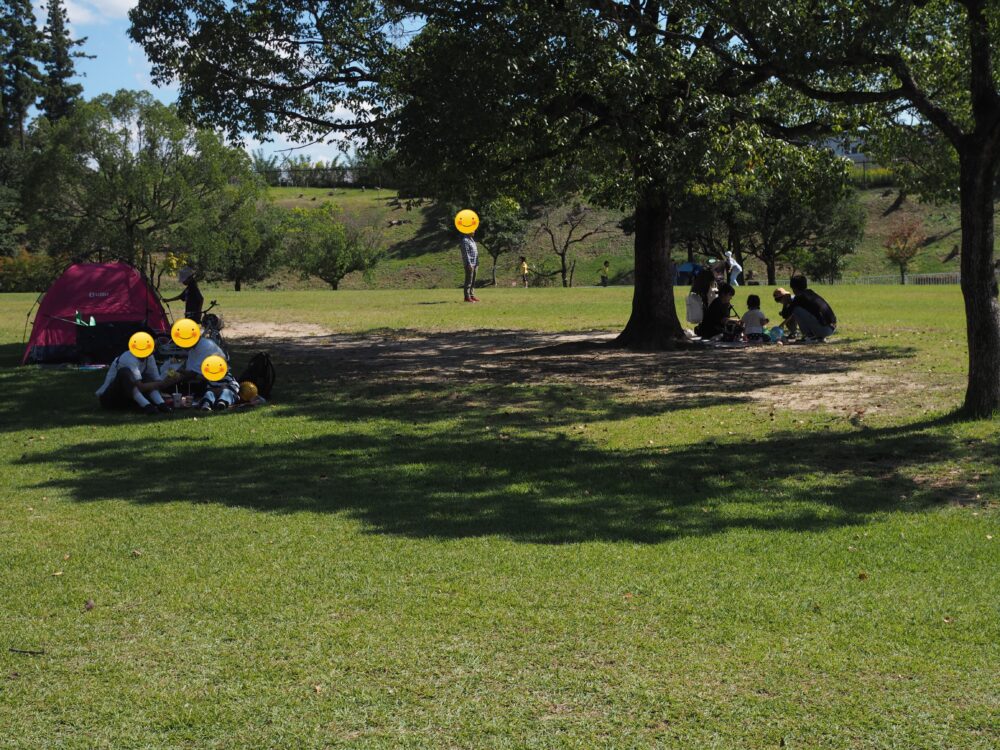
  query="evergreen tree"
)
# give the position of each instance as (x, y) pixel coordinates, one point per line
(58, 94)
(19, 75)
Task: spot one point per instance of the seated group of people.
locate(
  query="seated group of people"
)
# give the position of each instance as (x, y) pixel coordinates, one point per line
(136, 381)
(801, 309)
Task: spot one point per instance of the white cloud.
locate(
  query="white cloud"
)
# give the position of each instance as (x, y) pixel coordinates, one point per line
(83, 12)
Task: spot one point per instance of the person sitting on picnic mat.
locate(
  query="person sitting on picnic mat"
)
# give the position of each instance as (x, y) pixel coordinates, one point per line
(134, 379)
(714, 321)
(219, 394)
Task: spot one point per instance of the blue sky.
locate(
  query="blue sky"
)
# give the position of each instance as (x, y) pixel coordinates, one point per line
(121, 64)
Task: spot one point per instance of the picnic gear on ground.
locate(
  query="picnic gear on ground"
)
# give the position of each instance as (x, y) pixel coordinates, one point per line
(732, 329)
(248, 391)
(119, 387)
(686, 273)
(116, 298)
(260, 372)
(695, 308)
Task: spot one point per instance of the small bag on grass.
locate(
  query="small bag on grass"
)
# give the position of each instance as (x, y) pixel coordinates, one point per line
(260, 372)
(732, 330)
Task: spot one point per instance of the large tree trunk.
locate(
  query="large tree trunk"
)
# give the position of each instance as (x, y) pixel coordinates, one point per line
(772, 274)
(979, 282)
(493, 271)
(563, 270)
(654, 323)
(238, 284)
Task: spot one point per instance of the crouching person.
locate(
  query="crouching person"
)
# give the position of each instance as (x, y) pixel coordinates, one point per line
(133, 379)
(208, 366)
(813, 314)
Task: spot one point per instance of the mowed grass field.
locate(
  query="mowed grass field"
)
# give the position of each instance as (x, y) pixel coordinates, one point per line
(453, 529)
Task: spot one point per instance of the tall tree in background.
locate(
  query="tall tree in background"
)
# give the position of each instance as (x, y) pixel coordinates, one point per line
(617, 85)
(19, 74)
(123, 176)
(928, 69)
(613, 91)
(58, 94)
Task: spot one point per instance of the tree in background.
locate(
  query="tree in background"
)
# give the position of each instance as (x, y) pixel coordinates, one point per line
(242, 243)
(569, 228)
(19, 74)
(799, 199)
(320, 245)
(268, 167)
(784, 204)
(58, 94)
(903, 243)
(11, 174)
(611, 94)
(123, 177)
(504, 229)
(923, 71)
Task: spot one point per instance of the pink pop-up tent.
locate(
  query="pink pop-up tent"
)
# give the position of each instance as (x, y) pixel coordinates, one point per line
(118, 297)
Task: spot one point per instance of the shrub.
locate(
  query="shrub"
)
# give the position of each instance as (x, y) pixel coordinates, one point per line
(27, 272)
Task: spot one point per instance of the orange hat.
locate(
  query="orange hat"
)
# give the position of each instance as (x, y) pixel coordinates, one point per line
(780, 294)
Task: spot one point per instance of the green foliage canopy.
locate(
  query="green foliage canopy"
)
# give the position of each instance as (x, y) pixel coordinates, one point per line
(123, 176)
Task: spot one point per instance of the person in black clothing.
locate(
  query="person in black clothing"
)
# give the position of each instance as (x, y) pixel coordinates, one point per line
(193, 300)
(813, 314)
(717, 313)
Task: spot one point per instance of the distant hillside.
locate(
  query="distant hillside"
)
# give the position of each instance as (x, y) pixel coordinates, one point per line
(423, 250)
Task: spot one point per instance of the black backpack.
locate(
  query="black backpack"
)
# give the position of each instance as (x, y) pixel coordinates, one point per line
(260, 372)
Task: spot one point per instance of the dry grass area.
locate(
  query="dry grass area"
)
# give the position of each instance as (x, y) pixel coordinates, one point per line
(832, 377)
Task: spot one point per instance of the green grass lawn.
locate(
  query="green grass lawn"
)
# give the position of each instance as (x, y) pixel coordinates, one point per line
(451, 529)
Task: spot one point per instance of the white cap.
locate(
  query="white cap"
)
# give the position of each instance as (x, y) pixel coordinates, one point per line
(184, 274)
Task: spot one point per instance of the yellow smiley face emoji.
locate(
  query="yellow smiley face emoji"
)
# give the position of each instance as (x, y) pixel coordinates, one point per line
(141, 344)
(214, 367)
(185, 333)
(466, 221)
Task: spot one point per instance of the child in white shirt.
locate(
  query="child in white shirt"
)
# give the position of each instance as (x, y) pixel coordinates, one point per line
(754, 320)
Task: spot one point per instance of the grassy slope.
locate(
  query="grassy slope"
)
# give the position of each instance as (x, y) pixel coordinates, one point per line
(493, 564)
(422, 252)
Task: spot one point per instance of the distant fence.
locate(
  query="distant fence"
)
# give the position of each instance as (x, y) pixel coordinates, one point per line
(917, 279)
(328, 177)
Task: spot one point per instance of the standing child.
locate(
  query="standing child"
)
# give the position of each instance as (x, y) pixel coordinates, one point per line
(754, 320)
(605, 271)
(524, 271)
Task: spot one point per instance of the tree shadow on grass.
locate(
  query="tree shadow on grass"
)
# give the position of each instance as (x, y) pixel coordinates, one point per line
(575, 377)
(10, 354)
(416, 466)
(433, 235)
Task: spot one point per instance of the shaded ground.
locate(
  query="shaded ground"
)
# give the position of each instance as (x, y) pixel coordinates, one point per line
(831, 376)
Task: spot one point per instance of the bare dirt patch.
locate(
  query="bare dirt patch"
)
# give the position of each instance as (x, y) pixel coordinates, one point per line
(830, 377)
(284, 331)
